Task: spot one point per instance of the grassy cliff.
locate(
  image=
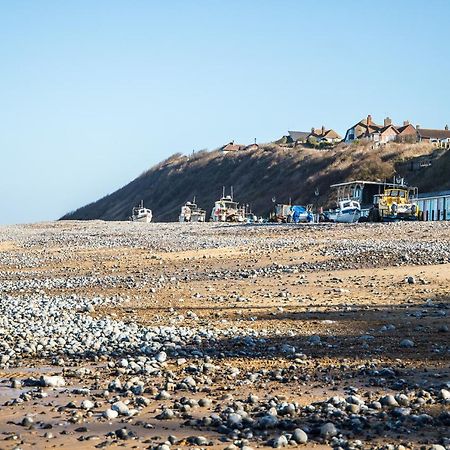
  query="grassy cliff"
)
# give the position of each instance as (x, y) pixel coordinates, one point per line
(258, 176)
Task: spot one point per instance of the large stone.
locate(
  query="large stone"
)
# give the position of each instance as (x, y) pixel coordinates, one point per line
(52, 381)
(300, 436)
(328, 430)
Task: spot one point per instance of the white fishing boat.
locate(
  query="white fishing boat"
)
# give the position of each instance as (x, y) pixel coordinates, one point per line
(141, 214)
(190, 212)
(348, 211)
(227, 210)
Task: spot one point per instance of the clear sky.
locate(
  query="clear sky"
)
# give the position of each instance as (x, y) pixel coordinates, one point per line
(92, 93)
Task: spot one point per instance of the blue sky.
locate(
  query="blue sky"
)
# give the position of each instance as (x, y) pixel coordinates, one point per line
(94, 93)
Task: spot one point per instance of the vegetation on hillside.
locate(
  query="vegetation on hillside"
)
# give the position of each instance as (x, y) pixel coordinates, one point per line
(259, 176)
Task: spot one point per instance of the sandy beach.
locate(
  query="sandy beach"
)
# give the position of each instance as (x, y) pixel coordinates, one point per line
(224, 336)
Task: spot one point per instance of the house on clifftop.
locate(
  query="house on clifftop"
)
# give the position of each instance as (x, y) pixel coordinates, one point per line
(232, 147)
(323, 135)
(318, 135)
(367, 129)
(437, 137)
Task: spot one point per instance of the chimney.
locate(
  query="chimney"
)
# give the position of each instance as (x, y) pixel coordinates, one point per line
(405, 123)
(387, 122)
(446, 127)
(417, 127)
(323, 130)
(369, 120)
(312, 130)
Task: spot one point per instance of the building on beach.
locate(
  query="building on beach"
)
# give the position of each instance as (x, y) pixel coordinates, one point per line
(434, 205)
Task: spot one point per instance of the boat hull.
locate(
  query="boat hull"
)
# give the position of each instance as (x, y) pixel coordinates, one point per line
(350, 216)
(143, 219)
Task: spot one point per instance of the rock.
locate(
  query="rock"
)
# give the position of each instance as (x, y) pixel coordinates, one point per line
(406, 343)
(87, 404)
(279, 442)
(205, 402)
(166, 414)
(314, 340)
(445, 394)
(234, 421)
(16, 384)
(161, 357)
(389, 400)
(121, 408)
(328, 430)
(110, 414)
(300, 436)
(266, 422)
(163, 395)
(410, 279)
(402, 400)
(27, 421)
(201, 440)
(123, 434)
(52, 381)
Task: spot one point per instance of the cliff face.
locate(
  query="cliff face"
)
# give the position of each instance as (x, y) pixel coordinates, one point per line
(269, 172)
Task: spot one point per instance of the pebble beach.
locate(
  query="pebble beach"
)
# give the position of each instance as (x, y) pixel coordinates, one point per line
(221, 336)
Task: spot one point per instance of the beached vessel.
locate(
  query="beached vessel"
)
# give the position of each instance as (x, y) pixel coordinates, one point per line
(348, 211)
(190, 212)
(141, 214)
(227, 210)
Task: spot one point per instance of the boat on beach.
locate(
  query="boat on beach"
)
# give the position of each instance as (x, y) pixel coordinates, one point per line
(190, 212)
(228, 210)
(141, 214)
(348, 211)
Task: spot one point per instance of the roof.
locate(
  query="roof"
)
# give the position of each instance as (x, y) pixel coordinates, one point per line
(231, 147)
(252, 147)
(433, 134)
(299, 135)
(404, 127)
(387, 127)
(434, 194)
(332, 134)
(380, 183)
(322, 133)
(368, 129)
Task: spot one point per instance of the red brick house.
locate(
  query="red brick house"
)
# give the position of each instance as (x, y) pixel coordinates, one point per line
(367, 129)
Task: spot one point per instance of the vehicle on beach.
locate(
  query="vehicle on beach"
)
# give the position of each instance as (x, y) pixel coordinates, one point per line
(190, 212)
(141, 214)
(348, 211)
(228, 210)
(399, 203)
(373, 195)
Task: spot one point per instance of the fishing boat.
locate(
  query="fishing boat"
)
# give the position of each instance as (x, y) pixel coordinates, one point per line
(141, 214)
(190, 212)
(227, 210)
(348, 211)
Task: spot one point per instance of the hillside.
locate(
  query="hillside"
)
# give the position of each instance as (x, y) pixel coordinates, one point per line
(258, 176)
